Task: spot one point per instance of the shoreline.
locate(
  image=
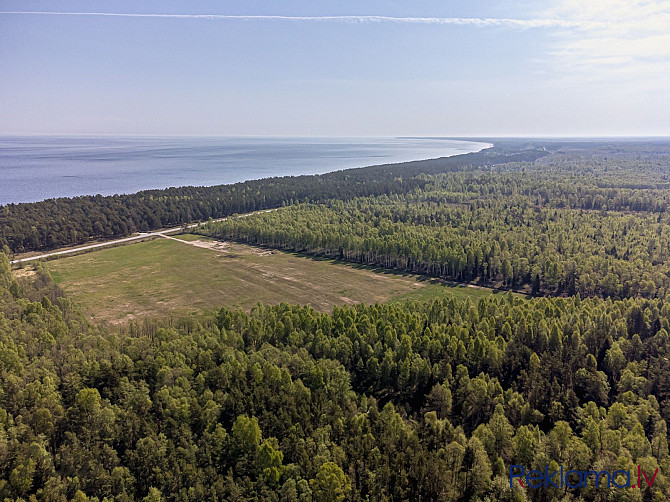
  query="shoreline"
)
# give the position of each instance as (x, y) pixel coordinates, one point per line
(53, 224)
(195, 149)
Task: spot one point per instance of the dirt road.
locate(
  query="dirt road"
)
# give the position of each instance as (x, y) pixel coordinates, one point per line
(142, 235)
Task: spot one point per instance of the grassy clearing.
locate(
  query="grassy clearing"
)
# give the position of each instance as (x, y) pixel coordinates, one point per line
(188, 237)
(164, 277)
(439, 289)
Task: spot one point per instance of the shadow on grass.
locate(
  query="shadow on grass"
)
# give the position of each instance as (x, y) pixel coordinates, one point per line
(422, 278)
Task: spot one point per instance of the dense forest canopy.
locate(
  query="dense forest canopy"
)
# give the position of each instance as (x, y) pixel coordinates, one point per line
(430, 400)
(415, 401)
(588, 223)
(68, 221)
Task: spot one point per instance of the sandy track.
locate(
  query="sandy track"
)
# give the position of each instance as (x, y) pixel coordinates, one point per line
(140, 236)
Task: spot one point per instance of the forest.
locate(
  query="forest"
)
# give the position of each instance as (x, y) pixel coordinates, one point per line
(63, 222)
(414, 401)
(566, 224)
(422, 401)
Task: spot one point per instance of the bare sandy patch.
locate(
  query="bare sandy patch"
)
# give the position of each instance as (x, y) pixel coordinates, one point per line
(24, 272)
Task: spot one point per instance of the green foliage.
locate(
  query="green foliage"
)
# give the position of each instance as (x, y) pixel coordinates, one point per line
(429, 400)
(68, 221)
(569, 228)
(246, 434)
(330, 484)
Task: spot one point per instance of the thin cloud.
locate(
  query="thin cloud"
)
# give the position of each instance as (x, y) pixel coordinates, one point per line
(463, 21)
(620, 37)
(593, 40)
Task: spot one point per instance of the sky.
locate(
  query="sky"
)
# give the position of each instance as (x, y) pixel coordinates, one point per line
(476, 68)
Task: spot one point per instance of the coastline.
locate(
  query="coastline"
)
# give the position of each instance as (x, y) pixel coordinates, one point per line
(65, 222)
(40, 168)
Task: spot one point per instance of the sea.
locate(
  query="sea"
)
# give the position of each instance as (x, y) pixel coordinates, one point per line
(34, 168)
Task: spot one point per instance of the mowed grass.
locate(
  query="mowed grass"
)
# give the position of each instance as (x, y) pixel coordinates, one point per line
(166, 277)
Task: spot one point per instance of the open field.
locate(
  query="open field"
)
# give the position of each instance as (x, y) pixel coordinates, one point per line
(434, 288)
(74, 249)
(163, 277)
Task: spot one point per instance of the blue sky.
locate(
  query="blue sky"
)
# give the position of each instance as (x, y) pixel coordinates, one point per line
(441, 68)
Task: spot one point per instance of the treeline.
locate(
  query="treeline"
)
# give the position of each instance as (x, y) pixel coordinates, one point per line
(591, 176)
(538, 185)
(549, 251)
(68, 221)
(556, 227)
(415, 401)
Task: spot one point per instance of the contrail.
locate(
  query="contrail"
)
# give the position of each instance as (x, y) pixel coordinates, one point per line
(463, 21)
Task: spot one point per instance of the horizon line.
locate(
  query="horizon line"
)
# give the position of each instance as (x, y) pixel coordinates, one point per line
(369, 136)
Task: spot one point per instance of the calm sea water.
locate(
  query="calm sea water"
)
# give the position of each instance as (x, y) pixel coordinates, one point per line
(38, 168)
